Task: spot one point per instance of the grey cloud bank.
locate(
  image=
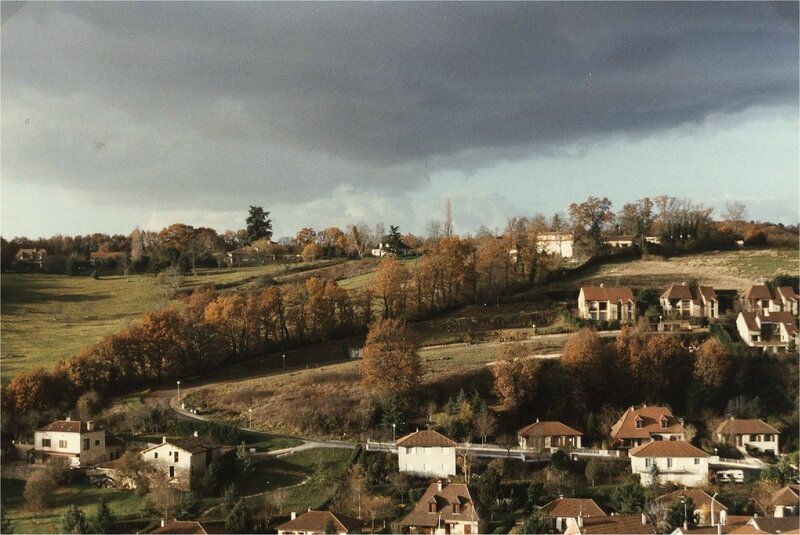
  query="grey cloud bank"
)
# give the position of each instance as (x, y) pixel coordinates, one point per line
(211, 106)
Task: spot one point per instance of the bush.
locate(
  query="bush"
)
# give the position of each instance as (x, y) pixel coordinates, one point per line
(38, 491)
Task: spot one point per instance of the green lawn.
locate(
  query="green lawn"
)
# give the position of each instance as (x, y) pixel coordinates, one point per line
(126, 505)
(48, 317)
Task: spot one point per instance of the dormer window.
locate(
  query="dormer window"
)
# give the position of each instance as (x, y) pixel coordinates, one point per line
(431, 507)
(456, 508)
(639, 423)
(664, 423)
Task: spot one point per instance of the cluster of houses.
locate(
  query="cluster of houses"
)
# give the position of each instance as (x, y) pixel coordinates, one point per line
(768, 317)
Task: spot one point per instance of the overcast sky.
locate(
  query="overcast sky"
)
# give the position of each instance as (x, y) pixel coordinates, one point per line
(123, 114)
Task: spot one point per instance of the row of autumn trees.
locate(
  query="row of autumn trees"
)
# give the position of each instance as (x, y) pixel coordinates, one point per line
(209, 329)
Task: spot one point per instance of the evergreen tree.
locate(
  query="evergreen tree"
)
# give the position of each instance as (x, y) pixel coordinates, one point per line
(535, 524)
(489, 488)
(681, 512)
(393, 241)
(239, 520)
(230, 497)
(103, 521)
(259, 226)
(73, 521)
(628, 499)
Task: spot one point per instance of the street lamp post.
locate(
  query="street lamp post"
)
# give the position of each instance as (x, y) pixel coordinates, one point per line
(179, 389)
(284, 361)
(685, 518)
(250, 414)
(394, 426)
(714, 497)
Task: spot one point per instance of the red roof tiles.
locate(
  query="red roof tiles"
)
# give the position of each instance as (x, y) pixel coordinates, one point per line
(602, 293)
(548, 429)
(426, 438)
(667, 448)
(735, 426)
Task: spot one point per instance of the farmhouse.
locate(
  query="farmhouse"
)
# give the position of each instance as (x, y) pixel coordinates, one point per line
(80, 442)
(555, 243)
(540, 436)
(558, 511)
(183, 459)
(31, 257)
(445, 510)
(750, 434)
(385, 248)
(677, 461)
(640, 425)
(607, 304)
(762, 298)
(684, 302)
(709, 511)
(768, 330)
(244, 256)
(319, 522)
(427, 453)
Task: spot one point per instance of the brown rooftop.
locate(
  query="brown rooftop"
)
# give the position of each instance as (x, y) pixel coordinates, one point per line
(699, 498)
(316, 521)
(548, 429)
(651, 418)
(667, 448)
(602, 293)
(426, 438)
(736, 426)
(758, 291)
(571, 508)
(438, 504)
(788, 496)
(67, 426)
(616, 524)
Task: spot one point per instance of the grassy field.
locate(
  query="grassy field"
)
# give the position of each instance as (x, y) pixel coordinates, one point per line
(126, 505)
(48, 317)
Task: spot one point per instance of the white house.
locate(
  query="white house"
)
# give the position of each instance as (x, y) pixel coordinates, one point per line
(80, 442)
(682, 301)
(558, 511)
(607, 304)
(317, 522)
(677, 461)
(183, 459)
(445, 510)
(643, 424)
(786, 501)
(762, 298)
(620, 242)
(750, 434)
(540, 436)
(768, 330)
(427, 453)
(556, 244)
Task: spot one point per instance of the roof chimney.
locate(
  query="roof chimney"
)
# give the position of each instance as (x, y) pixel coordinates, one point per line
(68, 418)
(294, 515)
(580, 520)
(537, 420)
(602, 285)
(194, 434)
(90, 425)
(644, 520)
(683, 283)
(162, 522)
(163, 439)
(439, 485)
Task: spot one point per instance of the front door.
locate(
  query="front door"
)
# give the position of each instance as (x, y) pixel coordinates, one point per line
(171, 471)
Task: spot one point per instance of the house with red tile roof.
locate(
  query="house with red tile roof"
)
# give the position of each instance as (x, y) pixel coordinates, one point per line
(786, 501)
(682, 301)
(447, 509)
(601, 303)
(82, 443)
(540, 436)
(708, 510)
(677, 461)
(768, 329)
(427, 453)
(761, 298)
(643, 424)
(758, 525)
(183, 459)
(610, 525)
(748, 433)
(558, 511)
(187, 527)
(319, 522)
(31, 257)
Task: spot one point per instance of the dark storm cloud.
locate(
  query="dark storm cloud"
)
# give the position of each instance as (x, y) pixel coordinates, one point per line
(307, 96)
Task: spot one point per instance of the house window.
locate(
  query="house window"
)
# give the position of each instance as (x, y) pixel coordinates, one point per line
(45, 442)
(456, 508)
(96, 442)
(86, 443)
(768, 438)
(752, 438)
(431, 507)
(647, 462)
(664, 424)
(62, 443)
(176, 456)
(638, 424)
(669, 462)
(155, 455)
(696, 460)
